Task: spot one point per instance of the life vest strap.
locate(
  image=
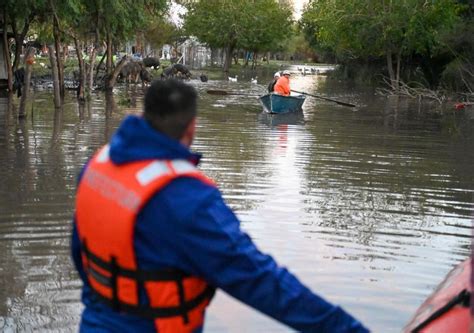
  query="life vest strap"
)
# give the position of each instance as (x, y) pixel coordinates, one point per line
(159, 312)
(138, 274)
(113, 282)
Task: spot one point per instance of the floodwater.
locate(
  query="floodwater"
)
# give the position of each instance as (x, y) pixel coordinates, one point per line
(370, 206)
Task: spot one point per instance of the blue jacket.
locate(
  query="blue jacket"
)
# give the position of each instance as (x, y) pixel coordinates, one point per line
(187, 225)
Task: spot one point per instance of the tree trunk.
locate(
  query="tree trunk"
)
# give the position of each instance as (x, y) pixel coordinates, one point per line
(246, 62)
(59, 62)
(254, 60)
(236, 58)
(109, 56)
(110, 105)
(19, 38)
(139, 43)
(54, 70)
(18, 52)
(57, 123)
(82, 71)
(7, 53)
(391, 73)
(90, 86)
(65, 53)
(397, 77)
(110, 108)
(112, 79)
(228, 58)
(100, 64)
(29, 60)
(213, 56)
(8, 112)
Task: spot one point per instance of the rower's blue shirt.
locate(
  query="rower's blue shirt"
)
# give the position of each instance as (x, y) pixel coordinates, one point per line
(187, 225)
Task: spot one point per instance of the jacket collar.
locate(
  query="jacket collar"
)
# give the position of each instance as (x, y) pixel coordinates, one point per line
(136, 140)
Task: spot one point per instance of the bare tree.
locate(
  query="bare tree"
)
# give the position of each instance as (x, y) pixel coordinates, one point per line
(54, 69)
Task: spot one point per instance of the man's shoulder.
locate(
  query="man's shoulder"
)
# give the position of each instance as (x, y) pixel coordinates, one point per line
(184, 196)
(184, 208)
(188, 187)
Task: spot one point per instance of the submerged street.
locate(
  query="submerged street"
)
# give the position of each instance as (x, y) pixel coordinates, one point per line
(370, 206)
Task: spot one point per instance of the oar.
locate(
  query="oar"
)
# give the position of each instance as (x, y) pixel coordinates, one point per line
(325, 98)
(223, 93)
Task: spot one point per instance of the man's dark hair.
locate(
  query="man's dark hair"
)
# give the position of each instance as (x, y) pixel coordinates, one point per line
(170, 106)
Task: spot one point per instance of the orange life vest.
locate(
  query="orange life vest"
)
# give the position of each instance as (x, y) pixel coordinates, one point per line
(282, 87)
(109, 197)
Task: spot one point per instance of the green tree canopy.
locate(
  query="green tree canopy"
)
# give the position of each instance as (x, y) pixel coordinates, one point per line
(354, 29)
(252, 25)
(160, 31)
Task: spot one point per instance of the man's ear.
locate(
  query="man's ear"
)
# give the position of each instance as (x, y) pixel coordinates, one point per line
(189, 133)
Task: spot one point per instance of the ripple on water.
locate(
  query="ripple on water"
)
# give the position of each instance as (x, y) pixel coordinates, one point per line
(370, 207)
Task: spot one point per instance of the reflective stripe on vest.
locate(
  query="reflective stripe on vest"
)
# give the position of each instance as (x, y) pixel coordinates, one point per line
(109, 198)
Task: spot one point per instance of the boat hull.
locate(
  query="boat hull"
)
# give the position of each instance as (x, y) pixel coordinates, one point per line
(446, 309)
(274, 103)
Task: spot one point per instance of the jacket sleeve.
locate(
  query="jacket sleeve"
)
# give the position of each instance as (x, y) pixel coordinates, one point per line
(217, 249)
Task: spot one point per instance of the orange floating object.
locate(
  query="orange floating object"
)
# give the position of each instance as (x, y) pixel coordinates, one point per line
(447, 309)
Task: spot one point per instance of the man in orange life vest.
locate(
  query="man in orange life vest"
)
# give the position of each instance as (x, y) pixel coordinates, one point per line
(153, 236)
(282, 87)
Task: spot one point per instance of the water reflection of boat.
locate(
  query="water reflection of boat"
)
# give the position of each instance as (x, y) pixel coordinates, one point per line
(289, 118)
(447, 309)
(274, 103)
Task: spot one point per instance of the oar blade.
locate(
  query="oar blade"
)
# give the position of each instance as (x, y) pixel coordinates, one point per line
(217, 92)
(346, 104)
(225, 93)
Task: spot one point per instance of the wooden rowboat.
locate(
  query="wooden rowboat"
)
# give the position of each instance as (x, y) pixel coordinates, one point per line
(274, 103)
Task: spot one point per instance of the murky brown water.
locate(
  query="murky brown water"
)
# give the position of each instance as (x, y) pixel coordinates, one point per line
(371, 206)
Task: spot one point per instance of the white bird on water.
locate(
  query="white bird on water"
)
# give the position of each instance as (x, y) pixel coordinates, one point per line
(233, 79)
(254, 81)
